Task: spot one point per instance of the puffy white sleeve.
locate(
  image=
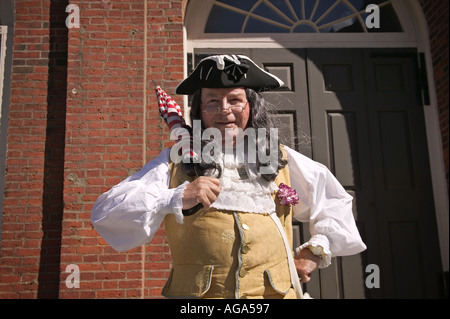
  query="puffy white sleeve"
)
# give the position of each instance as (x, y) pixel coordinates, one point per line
(130, 214)
(326, 206)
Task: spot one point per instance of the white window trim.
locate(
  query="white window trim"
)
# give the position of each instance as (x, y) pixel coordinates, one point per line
(4, 35)
(3, 120)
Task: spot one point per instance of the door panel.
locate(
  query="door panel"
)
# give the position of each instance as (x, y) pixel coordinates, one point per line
(368, 128)
(405, 213)
(395, 150)
(339, 138)
(292, 99)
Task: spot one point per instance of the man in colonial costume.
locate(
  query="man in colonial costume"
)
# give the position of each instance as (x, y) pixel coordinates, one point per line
(229, 220)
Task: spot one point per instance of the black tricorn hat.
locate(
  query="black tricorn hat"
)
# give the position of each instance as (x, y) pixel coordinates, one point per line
(228, 71)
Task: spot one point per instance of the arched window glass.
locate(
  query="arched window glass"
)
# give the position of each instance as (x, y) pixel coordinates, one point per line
(300, 16)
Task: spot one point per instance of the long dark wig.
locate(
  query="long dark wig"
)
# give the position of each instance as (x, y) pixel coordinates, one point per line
(259, 118)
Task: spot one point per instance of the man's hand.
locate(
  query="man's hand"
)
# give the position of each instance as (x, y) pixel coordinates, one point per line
(203, 190)
(306, 262)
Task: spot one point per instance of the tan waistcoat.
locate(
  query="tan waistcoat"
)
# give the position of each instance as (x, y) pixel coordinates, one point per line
(228, 254)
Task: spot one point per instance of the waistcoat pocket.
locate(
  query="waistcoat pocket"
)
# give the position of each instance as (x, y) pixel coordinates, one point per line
(279, 277)
(188, 281)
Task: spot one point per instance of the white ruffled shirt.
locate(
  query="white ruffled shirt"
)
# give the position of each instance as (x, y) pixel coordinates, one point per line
(251, 194)
(130, 214)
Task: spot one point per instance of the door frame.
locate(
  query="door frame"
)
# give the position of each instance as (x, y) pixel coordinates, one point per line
(416, 36)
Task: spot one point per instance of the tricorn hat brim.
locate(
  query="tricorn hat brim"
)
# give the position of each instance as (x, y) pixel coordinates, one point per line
(228, 71)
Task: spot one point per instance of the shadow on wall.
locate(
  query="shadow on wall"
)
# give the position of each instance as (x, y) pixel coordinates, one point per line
(53, 204)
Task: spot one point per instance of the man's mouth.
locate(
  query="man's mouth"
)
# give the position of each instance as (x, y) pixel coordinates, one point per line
(226, 124)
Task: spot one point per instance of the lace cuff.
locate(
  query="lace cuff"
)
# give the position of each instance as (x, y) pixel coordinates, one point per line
(176, 202)
(322, 241)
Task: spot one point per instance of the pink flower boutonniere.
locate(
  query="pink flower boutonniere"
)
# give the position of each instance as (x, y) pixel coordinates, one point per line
(287, 195)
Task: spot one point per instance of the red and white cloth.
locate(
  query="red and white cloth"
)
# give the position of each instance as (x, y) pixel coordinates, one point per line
(169, 110)
(173, 116)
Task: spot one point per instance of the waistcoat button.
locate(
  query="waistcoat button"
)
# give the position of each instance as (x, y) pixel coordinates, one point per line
(245, 249)
(242, 272)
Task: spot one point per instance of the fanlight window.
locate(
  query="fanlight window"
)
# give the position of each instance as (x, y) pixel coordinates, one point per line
(299, 16)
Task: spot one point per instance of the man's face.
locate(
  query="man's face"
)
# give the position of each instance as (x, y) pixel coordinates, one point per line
(225, 109)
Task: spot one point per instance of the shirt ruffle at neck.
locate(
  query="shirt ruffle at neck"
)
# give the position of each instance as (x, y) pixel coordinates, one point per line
(251, 195)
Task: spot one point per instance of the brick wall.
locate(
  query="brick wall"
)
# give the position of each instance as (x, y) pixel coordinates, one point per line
(31, 229)
(436, 12)
(166, 67)
(113, 128)
(22, 230)
(83, 116)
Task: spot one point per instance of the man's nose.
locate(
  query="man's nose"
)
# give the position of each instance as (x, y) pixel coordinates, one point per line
(224, 106)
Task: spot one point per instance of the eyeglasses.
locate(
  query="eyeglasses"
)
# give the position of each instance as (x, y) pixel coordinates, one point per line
(214, 107)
